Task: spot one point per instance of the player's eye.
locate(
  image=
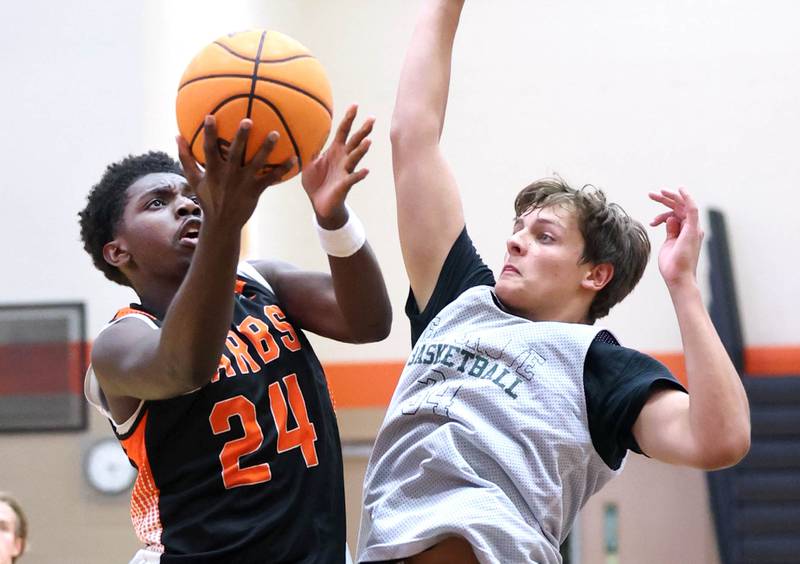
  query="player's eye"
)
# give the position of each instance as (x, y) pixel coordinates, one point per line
(156, 203)
(546, 237)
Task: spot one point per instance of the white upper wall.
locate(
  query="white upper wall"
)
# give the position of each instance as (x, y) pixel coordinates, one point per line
(628, 96)
(72, 103)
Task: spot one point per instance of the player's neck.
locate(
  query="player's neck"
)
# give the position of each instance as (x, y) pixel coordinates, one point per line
(572, 312)
(157, 299)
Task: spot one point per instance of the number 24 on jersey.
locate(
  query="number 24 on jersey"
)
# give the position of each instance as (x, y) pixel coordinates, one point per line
(303, 436)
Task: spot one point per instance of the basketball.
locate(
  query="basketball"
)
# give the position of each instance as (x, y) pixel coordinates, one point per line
(263, 75)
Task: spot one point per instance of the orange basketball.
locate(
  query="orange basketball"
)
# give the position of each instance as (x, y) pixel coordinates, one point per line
(265, 76)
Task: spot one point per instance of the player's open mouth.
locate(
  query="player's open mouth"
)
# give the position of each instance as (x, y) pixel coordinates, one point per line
(189, 238)
(189, 233)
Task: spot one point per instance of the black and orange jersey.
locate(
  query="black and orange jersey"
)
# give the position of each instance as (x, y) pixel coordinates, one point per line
(247, 468)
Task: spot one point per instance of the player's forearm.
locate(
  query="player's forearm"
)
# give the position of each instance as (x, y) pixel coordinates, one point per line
(199, 316)
(361, 295)
(425, 79)
(718, 409)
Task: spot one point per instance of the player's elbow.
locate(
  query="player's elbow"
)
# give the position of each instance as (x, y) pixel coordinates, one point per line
(727, 452)
(413, 130)
(376, 330)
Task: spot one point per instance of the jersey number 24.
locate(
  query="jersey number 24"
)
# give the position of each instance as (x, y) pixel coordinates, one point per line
(303, 436)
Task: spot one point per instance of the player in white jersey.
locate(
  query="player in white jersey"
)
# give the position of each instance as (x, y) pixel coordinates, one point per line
(513, 408)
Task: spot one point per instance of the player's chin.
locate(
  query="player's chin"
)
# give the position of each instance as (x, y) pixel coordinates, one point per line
(510, 294)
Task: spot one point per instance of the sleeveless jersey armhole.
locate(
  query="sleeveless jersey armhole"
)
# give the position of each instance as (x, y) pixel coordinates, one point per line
(94, 393)
(462, 270)
(249, 271)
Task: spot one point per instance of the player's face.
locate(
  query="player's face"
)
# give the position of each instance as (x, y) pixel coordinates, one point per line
(160, 224)
(542, 276)
(10, 545)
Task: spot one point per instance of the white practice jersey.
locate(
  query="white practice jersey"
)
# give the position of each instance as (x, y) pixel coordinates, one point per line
(486, 437)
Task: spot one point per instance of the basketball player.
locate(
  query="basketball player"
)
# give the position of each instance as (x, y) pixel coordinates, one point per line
(513, 407)
(13, 529)
(210, 384)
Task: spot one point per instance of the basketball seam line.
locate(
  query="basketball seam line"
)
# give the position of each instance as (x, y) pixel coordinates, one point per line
(261, 79)
(253, 82)
(273, 108)
(251, 59)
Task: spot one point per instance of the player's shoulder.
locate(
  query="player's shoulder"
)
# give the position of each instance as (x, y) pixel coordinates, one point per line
(611, 358)
(267, 272)
(119, 335)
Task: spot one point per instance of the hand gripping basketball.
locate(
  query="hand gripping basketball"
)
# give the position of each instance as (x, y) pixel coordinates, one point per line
(264, 76)
(229, 188)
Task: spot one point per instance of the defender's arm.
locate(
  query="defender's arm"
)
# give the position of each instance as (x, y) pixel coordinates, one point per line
(429, 211)
(709, 428)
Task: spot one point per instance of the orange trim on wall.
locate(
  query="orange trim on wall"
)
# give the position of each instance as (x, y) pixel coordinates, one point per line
(673, 361)
(42, 368)
(372, 384)
(354, 384)
(772, 361)
(363, 384)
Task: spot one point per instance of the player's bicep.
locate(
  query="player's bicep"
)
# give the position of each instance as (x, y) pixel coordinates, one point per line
(429, 212)
(308, 298)
(125, 358)
(663, 429)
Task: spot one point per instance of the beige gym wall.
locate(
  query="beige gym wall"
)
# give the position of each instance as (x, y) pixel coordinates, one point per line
(626, 95)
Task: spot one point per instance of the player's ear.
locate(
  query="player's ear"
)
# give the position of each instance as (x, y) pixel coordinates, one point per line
(19, 547)
(116, 253)
(598, 276)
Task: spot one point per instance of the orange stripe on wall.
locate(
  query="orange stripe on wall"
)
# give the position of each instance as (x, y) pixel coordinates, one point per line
(772, 361)
(673, 361)
(372, 384)
(42, 368)
(363, 384)
(352, 384)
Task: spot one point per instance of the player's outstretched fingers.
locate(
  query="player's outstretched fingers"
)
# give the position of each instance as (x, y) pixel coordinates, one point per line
(236, 155)
(276, 173)
(260, 158)
(662, 199)
(671, 196)
(210, 143)
(356, 155)
(691, 216)
(692, 212)
(355, 177)
(661, 218)
(346, 124)
(191, 170)
(360, 135)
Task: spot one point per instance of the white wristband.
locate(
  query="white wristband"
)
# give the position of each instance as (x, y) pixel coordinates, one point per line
(346, 240)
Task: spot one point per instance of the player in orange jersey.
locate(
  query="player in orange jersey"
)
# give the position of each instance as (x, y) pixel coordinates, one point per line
(209, 382)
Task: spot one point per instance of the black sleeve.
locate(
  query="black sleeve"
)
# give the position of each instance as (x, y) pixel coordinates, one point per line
(617, 382)
(462, 269)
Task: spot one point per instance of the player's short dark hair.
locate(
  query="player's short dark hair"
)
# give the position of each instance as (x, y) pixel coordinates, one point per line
(21, 526)
(610, 235)
(106, 201)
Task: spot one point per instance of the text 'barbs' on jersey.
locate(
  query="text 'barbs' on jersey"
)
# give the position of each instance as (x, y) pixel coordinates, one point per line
(256, 332)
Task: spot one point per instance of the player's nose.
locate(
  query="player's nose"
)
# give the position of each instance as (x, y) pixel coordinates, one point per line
(515, 245)
(187, 206)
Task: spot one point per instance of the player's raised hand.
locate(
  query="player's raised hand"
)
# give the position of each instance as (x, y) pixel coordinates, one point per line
(228, 188)
(679, 254)
(328, 179)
